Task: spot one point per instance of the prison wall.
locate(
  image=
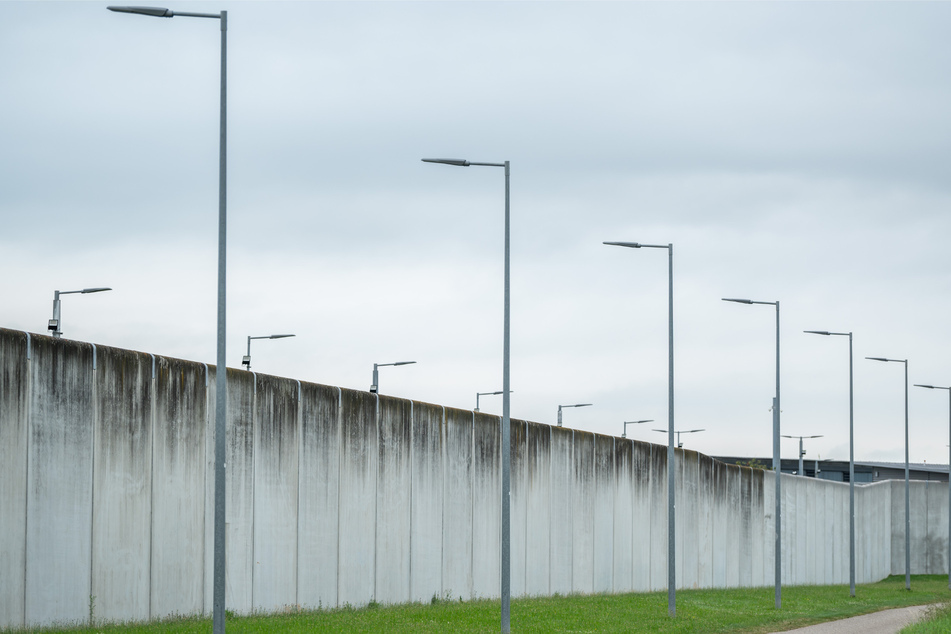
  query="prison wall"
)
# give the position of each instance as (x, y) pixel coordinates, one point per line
(340, 497)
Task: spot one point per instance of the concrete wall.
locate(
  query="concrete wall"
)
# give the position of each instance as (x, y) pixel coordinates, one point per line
(341, 497)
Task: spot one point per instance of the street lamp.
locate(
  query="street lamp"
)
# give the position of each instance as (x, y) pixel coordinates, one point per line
(678, 432)
(374, 388)
(246, 361)
(671, 551)
(576, 405)
(938, 387)
(907, 501)
(506, 572)
(777, 460)
(802, 452)
(221, 372)
(56, 322)
(634, 422)
(826, 333)
(478, 394)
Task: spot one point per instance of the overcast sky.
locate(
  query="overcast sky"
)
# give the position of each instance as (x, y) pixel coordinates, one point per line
(794, 151)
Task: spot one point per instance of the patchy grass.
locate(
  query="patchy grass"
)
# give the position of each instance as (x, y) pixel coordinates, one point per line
(937, 621)
(707, 611)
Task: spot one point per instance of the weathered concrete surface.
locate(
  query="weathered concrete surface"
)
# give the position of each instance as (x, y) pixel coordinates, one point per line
(428, 497)
(486, 506)
(122, 484)
(15, 388)
(318, 515)
(59, 494)
(276, 487)
(178, 489)
(341, 497)
(359, 463)
(560, 511)
(537, 483)
(453, 527)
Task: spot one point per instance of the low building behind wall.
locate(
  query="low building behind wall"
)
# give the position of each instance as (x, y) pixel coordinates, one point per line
(838, 470)
(339, 497)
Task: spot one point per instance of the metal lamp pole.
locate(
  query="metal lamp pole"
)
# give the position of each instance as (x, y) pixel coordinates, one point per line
(55, 323)
(802, 452)
(777, 460)
(680, 431)
(246, 361)
(221, 372)
(374, 388)
(907, 500)
(938, 387)
(506, 577)
(478, 394)
(671, 550)
(851, 459)
(576, 405)
(634, 422)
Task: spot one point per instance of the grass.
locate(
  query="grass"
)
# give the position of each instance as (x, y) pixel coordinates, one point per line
(938, 621)
(707, 611)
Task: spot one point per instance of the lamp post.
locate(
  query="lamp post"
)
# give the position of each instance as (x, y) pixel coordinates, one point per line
(938, 387)
(671, 551)
(634, 422)
(478, 394)
(55, 323)
(506, 573)
(680, 431)
(246, 361)
(576, 405)
(907, 500)
(221, 371)
(374, 388)
(802, 452)
(777, 460)
(827, 333)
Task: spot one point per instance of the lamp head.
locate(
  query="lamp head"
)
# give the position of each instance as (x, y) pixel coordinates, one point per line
(818, 332)
(94, 290)
(631, 245)
(157, 12)
(877, 359)
(280, 336)
(459, 162)
(738, 301)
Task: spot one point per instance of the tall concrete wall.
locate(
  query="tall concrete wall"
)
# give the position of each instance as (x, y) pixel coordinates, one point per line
(341, 497)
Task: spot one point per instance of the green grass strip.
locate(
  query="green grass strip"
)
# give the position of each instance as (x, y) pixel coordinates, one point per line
(707, 611)
(938, 621)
